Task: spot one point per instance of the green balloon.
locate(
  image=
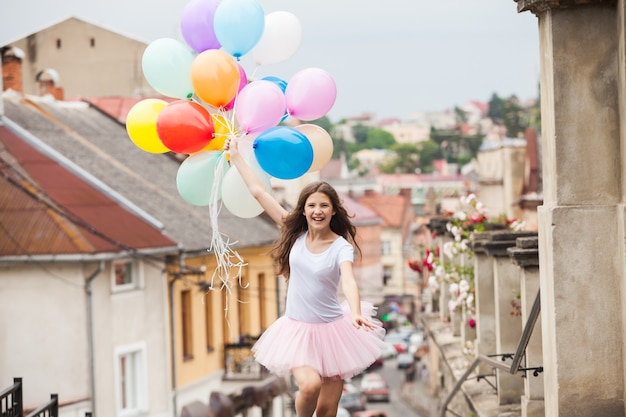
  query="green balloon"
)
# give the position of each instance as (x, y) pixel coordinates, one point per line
(197, 176)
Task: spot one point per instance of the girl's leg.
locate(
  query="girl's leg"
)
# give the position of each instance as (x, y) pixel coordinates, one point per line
(309, 385)
(328, 400)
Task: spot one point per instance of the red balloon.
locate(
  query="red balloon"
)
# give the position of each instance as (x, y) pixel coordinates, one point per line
(185, 126)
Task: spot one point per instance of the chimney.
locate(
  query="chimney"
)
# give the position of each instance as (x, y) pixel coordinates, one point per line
(47, 80)
(12, 69)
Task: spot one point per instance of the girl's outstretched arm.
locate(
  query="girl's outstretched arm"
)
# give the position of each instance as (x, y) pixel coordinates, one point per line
(271, 206)
(351, 291)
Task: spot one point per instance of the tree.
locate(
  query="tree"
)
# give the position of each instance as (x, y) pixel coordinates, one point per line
(514, 118)
(378, 139)
(496, 109)
(406, 160)
(360, 133)
(428, 152)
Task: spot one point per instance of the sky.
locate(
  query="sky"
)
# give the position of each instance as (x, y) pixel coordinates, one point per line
(391, 58)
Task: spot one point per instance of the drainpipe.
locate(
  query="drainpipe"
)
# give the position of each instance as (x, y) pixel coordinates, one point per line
(90, 343)
(173, 342)
(181, 272)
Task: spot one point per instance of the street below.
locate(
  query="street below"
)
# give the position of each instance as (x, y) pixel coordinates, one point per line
(397, 406)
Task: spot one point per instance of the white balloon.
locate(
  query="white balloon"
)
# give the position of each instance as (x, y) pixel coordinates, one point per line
(280, 40)
(236, 196)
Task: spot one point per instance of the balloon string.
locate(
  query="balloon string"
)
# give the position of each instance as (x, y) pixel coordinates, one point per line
(229, 263)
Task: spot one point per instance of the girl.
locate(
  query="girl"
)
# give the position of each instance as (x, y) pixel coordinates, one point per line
(318, 340)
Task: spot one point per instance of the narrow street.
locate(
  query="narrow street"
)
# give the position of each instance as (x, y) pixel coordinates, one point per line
(397, 406)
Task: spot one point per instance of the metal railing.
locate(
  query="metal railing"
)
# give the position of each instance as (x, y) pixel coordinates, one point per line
(513, 367)
(11, 400)
(49, 409)
(12, 405)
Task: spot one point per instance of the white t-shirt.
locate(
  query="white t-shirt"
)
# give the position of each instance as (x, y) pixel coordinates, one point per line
(314, 281)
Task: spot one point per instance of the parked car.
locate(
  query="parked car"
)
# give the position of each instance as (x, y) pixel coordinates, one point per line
(369, 380)
(342, 412)
(348, 386)
(398, 340)
(404, 360)
(370, 413)
(389, 351)
(377, 390)
(352, 401)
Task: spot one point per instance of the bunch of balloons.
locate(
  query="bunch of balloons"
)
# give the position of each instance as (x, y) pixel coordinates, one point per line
(212, 99)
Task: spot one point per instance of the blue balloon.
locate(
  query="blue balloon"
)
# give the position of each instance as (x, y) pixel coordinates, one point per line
(238, 25)
(283, 152)
(282, 84)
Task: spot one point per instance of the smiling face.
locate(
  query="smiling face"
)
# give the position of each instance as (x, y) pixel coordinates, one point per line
(318, 211)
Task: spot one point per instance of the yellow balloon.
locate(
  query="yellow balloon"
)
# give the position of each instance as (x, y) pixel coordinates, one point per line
(215, 77)
(141, 125)
(322, 145)
(223, 130)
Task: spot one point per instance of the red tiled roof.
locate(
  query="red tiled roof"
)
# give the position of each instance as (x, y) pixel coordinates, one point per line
(331, 170)
(391, 208)
(118, 107)
(362, 214)
(46, 209)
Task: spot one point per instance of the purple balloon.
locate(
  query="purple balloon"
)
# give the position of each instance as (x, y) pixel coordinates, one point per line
(196, 25)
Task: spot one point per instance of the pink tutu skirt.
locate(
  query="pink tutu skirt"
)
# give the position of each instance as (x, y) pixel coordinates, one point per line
(337, 350)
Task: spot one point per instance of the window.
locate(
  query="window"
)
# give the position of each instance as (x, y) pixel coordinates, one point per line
(125, 275)
(385, 246)
(262, 301)
(387, 273)
(243, 310)
(92, 42)
(226, 329)
(130, 379)
(208, 319)
(58, 43)
(185, 311)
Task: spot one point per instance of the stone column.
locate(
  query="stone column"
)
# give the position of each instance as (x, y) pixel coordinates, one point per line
(508, 325)
(485, 304)
(581, 223)
(525, 255)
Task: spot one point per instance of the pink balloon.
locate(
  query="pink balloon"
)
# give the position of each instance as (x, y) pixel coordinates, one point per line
(259, 106)
(310, 94)
(243, 81)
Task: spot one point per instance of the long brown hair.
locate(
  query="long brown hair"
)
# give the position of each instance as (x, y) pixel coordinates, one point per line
(295, 224)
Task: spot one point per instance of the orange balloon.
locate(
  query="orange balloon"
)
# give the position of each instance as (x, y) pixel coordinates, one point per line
(215, 77)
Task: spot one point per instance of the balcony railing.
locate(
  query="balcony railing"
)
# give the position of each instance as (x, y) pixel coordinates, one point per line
(11, 400)
(49, 409)
(239, 363)
(513, 367)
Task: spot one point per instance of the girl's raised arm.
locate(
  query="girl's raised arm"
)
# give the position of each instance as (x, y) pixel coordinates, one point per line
(271, 206)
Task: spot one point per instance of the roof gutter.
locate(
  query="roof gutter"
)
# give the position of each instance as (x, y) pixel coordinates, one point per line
(87, 257)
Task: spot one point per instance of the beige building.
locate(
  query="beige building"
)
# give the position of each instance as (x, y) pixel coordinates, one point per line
(85, 59)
